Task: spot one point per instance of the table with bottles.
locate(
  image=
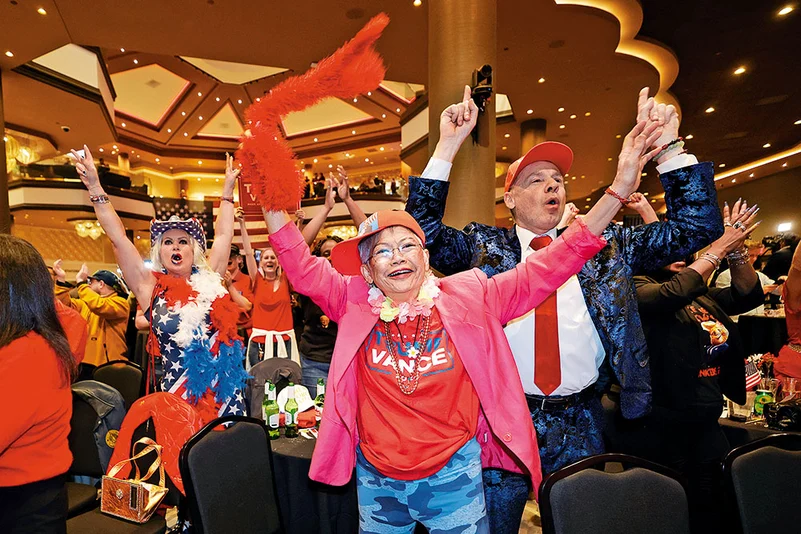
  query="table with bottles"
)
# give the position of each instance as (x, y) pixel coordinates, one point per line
(306, 506)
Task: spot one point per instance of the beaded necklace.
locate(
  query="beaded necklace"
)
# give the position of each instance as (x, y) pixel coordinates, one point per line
(408, 383)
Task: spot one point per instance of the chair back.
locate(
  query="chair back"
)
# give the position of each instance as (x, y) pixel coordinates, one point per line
(645, 497)
(122, 375)
(279, 371)
(229, 479)
(764, 476)
(83, 446)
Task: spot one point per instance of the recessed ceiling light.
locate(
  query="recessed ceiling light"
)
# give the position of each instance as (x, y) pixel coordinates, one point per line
(397, 110)
(541, 80)
(560, 110)
(169, 130)
(367, 160)
(573, 178)
(199, 93)
(784, 227)
(136, 62)
(766, 145)
(239, 101)
(561, 126)
(417, 3)
(608, 159)
(572, 116)
(503, 148)
(158, 160)
(369, 93)
(258, 99)
(183, 114)
(100, 149)
(588, 199)
(587, 206)
(314, 160)
(381, 149)
(734, 180)
(618, 136)
(645, 194)
(739, 70)
(653, 200)
(330, 166)
(784, 164)
(199, 162)
(797, 122)
(383, 115)
(751, 175)
(315, 139)
(355, 100)
(587, 114)
(198, 179)
(217, 99)
(353, 132)
(133, 151)
(347, 155)
(529, 111)
(122, 50)
(186, 134)
(200, 117)
(138, 156)
(689, 136)
(785, 10)
(710, 109)
(123, 125)
(507, 135)
(114, 147)
(722, 165)
(582, 176)
(41, 11)
(9, 53)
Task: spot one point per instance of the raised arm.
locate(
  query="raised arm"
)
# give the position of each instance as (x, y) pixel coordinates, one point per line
(450, 249)
(224, 231)
(138, 277)
(513, 293)
(792, 286)
(316, 223)
(309, 275)
(639, 203)
(238, 298)
(343, 190)
(247, 248)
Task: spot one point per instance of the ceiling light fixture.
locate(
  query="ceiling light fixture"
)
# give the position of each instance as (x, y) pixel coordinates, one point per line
(572, 116)
(785, 10)
(751, 175)
(561, 126)
(608, 159)
(169, 130)
(100, 149)
(41, 11)
(397, 110)
(503, 148)
(541, 80)
(122, 50)
(239, 101)
(9, 53)
(330, 166)
(740, 70)
(722, 165)
(797, 122)
(355, 100)
(353, 132)
(587, 114)
(114, 147)
(367, 160)
(136, 62)
(381, 149)
(734, 180)
(186, 134)
(200, 117)
(507, 135)
(417, 3)
(766, 145)
(688, 136)
(529, 111)
(217, 99)
(618, 136)
(314, 160)
(710, 109)
(560, 110)
(123, 125)
(784, 164)
(199, 163)
(183, 114)
(158, 160)
(315, 139)
(784, 227)
(199, 93)
(383, 115)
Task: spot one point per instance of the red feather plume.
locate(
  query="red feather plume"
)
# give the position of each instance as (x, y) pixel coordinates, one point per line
(267, 160)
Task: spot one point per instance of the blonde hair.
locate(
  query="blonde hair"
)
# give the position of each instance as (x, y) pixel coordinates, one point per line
(199, 259)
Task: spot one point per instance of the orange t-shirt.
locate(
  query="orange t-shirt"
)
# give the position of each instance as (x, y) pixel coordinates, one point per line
(241, 283)
(272, 310)
(409, 437)
(35, 418)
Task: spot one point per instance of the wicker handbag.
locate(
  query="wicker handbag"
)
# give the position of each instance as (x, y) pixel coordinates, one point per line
(135, 499)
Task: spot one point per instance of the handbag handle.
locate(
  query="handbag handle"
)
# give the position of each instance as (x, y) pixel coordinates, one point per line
(150, 446)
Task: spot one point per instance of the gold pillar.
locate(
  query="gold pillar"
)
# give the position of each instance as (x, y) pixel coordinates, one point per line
(462, 38)
(5, 213)
(532, 132)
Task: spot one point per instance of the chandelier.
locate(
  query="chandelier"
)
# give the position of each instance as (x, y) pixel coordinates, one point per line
(87, 228)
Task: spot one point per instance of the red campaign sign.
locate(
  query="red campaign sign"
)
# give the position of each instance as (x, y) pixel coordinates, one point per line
(247, 200)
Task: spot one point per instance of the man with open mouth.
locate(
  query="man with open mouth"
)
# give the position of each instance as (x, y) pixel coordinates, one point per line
(591, 323)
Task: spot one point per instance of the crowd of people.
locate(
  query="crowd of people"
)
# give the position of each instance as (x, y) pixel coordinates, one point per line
(451, 397)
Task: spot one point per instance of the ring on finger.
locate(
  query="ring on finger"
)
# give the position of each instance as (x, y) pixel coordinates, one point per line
(738, 225)
(727, 223)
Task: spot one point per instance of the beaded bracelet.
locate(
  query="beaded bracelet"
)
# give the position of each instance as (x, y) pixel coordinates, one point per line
(670, 146)
(738, 257)
(622, 200)
(714, 260)
(99, 199)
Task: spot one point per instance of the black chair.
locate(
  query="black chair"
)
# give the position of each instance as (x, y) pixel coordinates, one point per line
(763, 476)
(85, 459)
(645, 497)
(122, 375)
(229, 479)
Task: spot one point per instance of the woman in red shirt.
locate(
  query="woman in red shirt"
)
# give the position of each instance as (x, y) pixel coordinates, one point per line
(788, 363)
(37, 365)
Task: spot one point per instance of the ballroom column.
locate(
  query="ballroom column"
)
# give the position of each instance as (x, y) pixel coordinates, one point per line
(5, 213)
(462, 38)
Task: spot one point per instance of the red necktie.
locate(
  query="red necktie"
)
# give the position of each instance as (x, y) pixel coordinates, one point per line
(547, 369)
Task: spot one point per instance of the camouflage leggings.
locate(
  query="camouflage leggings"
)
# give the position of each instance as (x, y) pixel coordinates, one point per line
(449, 501)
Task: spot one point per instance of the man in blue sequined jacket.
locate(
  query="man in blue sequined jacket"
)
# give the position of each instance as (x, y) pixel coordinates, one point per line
(592, 325)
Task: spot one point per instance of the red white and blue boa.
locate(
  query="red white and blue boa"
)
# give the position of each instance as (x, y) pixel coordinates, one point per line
(206, 335)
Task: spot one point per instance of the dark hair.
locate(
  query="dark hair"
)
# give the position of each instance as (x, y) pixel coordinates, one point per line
(318, 246)
(27, 301)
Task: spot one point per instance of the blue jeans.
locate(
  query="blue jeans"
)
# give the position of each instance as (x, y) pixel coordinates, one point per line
(450, 500)
(312, 370)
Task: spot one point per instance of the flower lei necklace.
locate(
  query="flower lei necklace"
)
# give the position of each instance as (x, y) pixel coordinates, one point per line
(386, 308)
(390, 313)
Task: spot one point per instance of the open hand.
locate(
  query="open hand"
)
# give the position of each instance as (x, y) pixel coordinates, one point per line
(455, 124)
(58, 270)
(736, 227)
(330, 192)
(634, 155)
(87, 171)
(343, 187)
(83, 274)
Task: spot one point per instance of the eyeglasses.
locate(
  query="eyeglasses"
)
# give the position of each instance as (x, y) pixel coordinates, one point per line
(386, 253)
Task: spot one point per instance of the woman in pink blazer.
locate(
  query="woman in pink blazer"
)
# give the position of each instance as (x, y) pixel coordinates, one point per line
(423, 388)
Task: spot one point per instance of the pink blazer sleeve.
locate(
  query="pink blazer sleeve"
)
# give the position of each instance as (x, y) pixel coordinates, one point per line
(513, 293)
(310, 275)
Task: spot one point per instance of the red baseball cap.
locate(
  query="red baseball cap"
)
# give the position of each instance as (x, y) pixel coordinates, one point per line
(557, 153)
(345, 256)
